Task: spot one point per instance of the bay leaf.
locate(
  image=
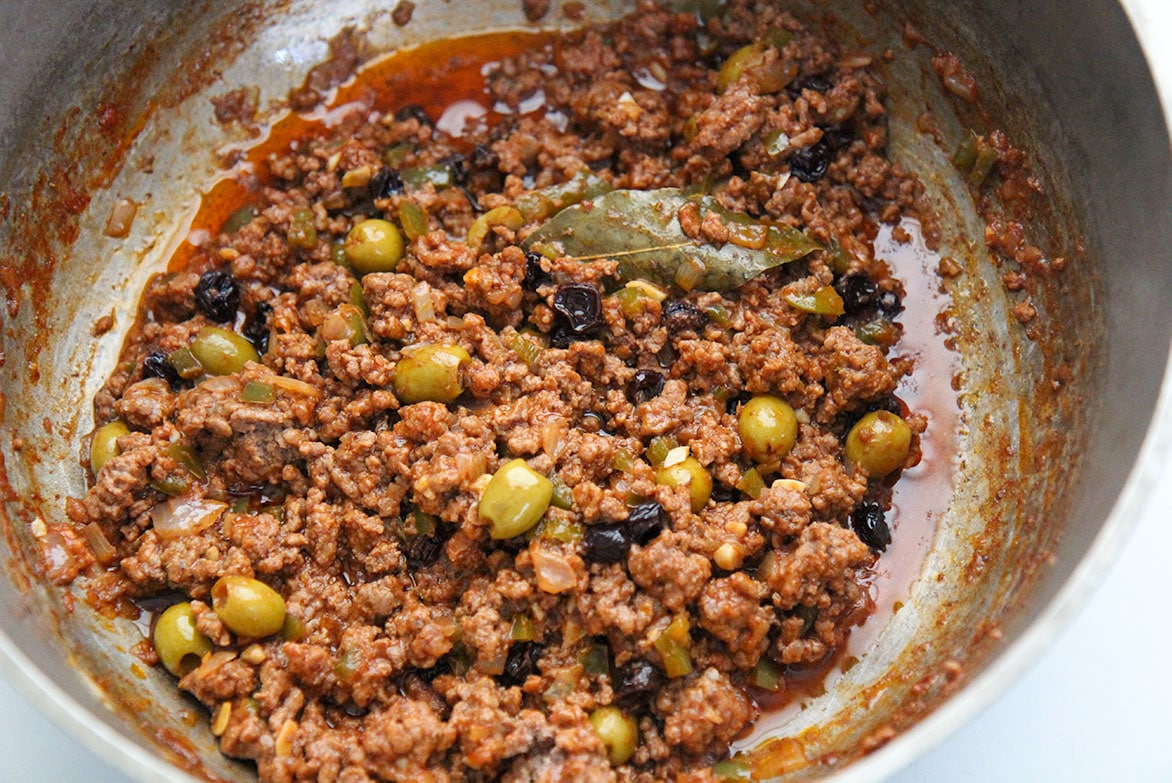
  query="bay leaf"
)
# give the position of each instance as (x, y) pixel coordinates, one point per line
(640, 229)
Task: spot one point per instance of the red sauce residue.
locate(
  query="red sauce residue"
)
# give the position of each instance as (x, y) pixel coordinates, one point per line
(922, 494)
(446, 78)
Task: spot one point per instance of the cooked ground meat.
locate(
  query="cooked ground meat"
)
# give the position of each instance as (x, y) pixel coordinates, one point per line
(377, 450)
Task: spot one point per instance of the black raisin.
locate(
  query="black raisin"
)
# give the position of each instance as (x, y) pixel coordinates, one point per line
(595, 422)
(457, 164)
(423, 551)
(155, 365)
(857, 291)
(637, 683)
(645, 520)
(521, 662)
(870, 525)
(889, 304)
(385, 183)
(836, 137)
(413, 111)
(644, 386)
(580, 305)
(483, 158)
(723, 494)
(818, 82)
(535, 276)
(612, 543)
(606, 543)
(256, 327)
(680, 314)
(889, 404)
(217, 296)
(809, 164)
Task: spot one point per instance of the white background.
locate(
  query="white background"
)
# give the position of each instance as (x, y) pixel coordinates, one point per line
(1096, 707)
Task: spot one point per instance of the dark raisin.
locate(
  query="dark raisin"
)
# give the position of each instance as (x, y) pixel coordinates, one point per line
(889, 404)
(809, 164)
(442, 666)
(733, 403)
(644, 386)
(535, 276)
(611, 543)
(680, 314)
(595, 423)
(561, 336)
(422, 551)
(636, 683)
(580, 305)
(256, 327)
(645, 520)
(836, 137)
(413, 111)
(889, 304)
(870, 525)
(155, 365)
(483, 158)
(217, 296)
(606, 543)
(818, 82)
(385, 183)
(723, 494)
(857, 291)
(521, 662)
(457, 164)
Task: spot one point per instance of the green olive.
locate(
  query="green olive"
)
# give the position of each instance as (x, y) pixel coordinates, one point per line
(515, 499)
(247, 606)
(104, 444)
(618, 731)
(178, 642)
(768, 428)
(431, 373)
(688, 473)
(879, 443)
(374, 246)
(221, 351)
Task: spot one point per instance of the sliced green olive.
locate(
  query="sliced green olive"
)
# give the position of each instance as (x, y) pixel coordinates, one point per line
(178, 642)
(431, 373)
(879, 443)
(302, 231)
(688, 473)
(222, 352)
(768, 428)
(515, 499)
(247, 606)
(618, 731)
(104, 444)
(374, 246)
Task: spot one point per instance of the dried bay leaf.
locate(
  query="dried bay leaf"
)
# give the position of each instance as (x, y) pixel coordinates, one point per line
(640, 229)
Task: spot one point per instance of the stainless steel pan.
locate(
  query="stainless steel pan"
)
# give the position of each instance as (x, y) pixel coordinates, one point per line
(1057, 435)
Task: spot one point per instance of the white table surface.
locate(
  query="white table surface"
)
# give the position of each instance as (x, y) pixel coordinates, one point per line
(1094, 708)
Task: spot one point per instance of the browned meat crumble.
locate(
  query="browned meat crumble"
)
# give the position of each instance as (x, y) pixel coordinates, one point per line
(416, 646)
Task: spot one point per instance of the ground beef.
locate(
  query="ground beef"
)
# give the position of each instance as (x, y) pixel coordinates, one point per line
(422, 640)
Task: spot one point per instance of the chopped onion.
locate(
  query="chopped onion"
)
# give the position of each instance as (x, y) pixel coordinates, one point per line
(185, 516)
(555, 573)
(99, 545)
(424, 309)
(121, 218)
(211, 662)
(295, 386)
